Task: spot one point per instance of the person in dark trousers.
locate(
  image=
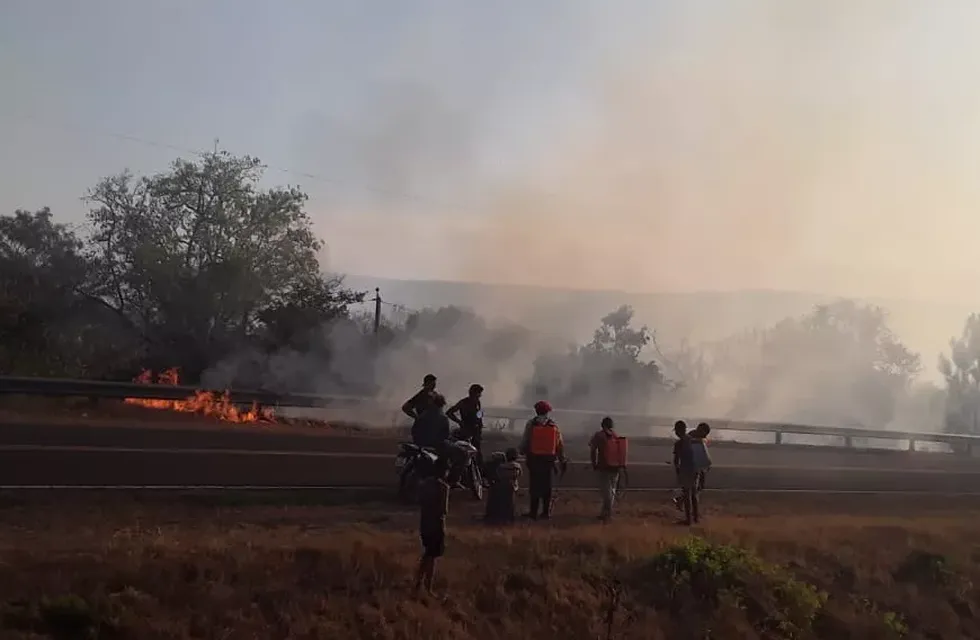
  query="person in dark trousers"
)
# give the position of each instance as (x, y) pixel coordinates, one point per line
(702, 457)
(432, 428)
(433, 509)
(415, 406)
(468, 414)
(543, 447)
(608, 475)
(686, 474)
(702, 461)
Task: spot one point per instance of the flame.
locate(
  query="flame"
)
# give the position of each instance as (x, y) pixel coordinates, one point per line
(204, 403)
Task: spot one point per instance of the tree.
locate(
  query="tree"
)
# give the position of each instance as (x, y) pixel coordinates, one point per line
(616, 336)
(48, 326)
(605, 374)
(839, 365)
(199, 261)
(296, 318)
(961, 369)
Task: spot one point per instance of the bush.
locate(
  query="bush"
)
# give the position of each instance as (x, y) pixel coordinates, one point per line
(696, 579)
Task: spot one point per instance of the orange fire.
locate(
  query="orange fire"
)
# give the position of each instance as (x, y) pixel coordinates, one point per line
(202, 402)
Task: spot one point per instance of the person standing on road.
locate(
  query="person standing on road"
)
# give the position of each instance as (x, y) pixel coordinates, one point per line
(606, 467)
(433, 509)
(686, 474)
(702, 461)
(468, 414)
(542, 446)
(702, 457)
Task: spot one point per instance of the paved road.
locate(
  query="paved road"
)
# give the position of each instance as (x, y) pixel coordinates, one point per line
(31, 455)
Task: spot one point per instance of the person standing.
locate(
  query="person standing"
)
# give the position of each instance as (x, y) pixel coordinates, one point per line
(606, 462)
(468, 414)
(433, 509)
(542, 446)
(417, 405)
(702, 461)
(686, 474)
(702, 457)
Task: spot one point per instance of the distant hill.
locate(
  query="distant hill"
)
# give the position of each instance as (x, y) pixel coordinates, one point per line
(925, 327)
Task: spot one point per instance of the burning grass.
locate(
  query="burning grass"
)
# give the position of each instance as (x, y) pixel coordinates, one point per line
(204, 403)
(123, 568)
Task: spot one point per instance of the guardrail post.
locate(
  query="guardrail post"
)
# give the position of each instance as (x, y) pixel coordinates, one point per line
(911, 444)
(779, 437)
(849, 442)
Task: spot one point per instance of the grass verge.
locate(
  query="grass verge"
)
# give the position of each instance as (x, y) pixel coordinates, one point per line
(113, 567)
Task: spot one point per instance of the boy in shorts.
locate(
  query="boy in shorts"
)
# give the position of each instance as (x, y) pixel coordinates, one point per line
(433, 509)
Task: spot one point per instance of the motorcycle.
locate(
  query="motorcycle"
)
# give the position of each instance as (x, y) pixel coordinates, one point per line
(413, 463)
(466, 463)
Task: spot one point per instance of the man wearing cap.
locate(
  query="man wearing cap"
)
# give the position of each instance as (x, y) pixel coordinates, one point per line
(542, 446)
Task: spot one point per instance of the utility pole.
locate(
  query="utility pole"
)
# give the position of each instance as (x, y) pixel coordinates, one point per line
(377, 310)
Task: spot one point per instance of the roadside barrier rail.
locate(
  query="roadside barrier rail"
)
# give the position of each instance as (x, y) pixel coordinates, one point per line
(512, 417)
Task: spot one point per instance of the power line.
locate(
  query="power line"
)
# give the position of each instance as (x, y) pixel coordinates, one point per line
(399, 307)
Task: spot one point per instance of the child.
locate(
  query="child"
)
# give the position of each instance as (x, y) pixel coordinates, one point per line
(504, 473)
(433, 509)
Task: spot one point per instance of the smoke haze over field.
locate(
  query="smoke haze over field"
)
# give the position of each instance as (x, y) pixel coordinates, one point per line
(718, 146)
(741, 145)
(591, 144)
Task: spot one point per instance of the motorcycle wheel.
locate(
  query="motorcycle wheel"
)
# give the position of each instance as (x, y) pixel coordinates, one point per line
(476, 483)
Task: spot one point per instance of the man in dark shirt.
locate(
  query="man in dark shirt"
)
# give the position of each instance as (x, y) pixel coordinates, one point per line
(432, 428)
(686, 473)
(417, 404)
(468, 414)
(433, 509)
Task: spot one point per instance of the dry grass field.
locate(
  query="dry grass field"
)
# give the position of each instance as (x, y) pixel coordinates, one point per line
(338, 566)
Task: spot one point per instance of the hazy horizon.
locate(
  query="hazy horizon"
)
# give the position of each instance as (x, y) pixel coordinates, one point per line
(654, 146)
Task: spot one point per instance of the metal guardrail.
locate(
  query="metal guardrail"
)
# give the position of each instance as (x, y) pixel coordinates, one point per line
(64, 388)
(53, 387)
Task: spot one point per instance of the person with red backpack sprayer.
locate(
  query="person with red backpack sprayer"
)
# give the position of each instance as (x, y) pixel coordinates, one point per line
(608, 451)
(543, 447)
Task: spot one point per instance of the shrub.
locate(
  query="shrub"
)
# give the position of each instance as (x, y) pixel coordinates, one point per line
(696, 578)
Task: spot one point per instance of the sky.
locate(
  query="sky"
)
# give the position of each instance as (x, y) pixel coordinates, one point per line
(635, 145)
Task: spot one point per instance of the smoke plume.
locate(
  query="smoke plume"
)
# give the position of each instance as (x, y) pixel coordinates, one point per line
(679, 147)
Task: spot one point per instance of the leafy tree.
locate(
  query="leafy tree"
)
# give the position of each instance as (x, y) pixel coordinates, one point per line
(961, 369)
(616, 336)
(605, 374)
(49, 326)
(838, 365)
(199, 261)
